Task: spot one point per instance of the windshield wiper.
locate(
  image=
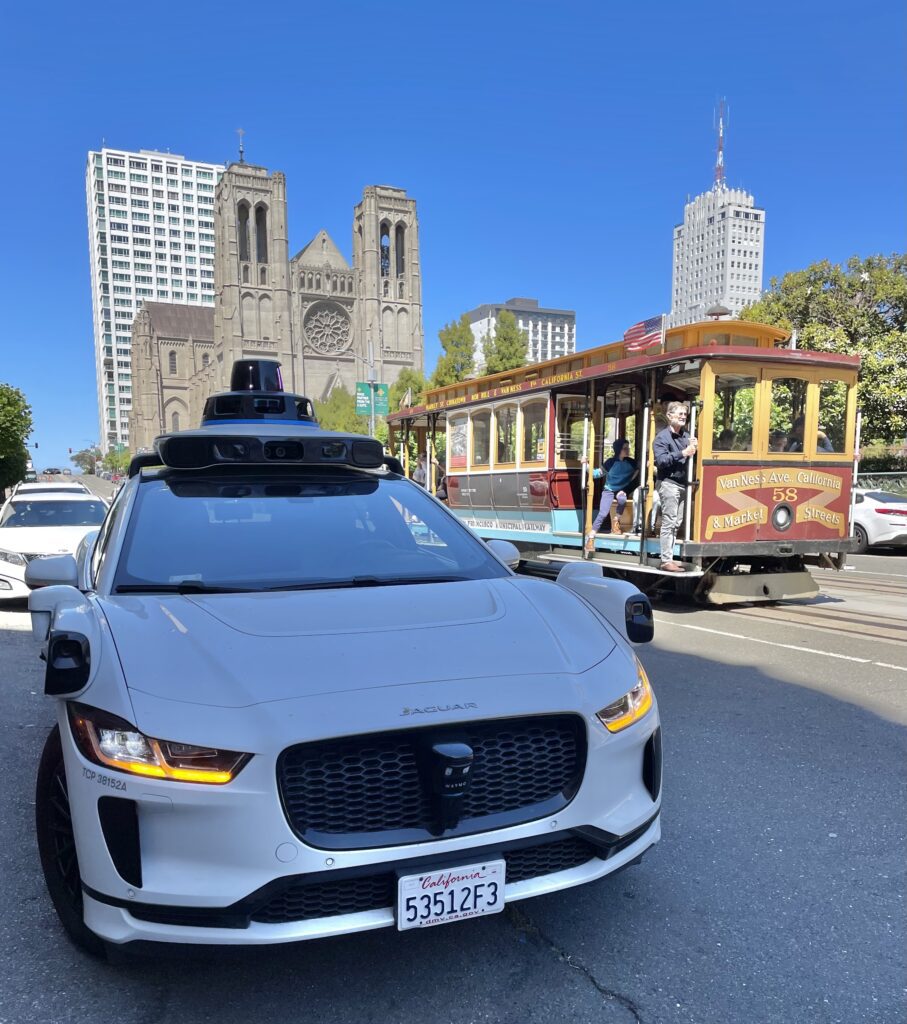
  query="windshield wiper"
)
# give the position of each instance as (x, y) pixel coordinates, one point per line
(186, 587)
(368, 581)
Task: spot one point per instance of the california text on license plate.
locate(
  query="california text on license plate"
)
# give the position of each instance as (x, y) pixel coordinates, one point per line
(450, 894)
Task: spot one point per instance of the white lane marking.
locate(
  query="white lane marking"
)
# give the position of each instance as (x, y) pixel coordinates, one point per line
(864, 572)
(774, 643)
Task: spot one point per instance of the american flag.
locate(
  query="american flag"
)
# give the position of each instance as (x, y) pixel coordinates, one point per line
(643, 334)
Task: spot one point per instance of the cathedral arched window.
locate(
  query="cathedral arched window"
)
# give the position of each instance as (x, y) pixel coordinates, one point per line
(387, 289)
(242, 217)
(310, 281)
(245, 273)
(342, 285)
(261, 233)
(204, 358)
(349, 285)
(318, 282)
(263, 275)
(384, 249)
(171, 363)
(400, 290)
(334, 283)
(400, 247)
(175, 421)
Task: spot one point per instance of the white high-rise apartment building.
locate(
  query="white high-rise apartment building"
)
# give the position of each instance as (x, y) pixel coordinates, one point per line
(550, 333)
(718, 249)
(151, 236)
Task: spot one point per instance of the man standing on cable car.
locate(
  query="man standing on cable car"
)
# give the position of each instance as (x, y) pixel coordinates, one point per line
(673, 448)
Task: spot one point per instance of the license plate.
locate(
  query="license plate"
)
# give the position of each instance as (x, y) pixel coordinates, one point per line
(450, 894)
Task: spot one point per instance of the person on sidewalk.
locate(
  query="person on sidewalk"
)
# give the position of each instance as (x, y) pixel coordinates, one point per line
(618, 472)
(673, 448)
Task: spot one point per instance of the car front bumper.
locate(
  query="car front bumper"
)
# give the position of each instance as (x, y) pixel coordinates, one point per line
(212, 857)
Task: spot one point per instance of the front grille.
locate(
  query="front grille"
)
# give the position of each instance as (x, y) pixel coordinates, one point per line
(299, 901)
(376, 790)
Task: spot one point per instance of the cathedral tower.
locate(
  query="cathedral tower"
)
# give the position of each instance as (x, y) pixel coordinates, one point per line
(386, 259)
(251, 270)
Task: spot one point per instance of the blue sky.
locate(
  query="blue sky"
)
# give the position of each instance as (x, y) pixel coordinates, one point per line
(550, 147)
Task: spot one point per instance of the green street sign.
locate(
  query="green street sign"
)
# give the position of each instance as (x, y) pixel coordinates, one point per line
(364, 399)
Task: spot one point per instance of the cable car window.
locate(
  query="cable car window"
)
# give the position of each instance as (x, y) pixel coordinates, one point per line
(505, 431)
(534, 417)
(570, 415)
(787, 416)
(832, 434)
(481, 438)
(456, 442)
(621, 401)
(733, 421)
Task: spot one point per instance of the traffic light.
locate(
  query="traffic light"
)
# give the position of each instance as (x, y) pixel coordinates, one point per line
(70, 451)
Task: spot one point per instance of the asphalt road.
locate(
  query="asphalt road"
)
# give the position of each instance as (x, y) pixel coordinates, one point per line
(776, 894)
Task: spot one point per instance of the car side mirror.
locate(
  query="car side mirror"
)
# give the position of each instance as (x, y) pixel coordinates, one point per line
(508, 553)
(857, 498)
(52, 571)
(627, 609)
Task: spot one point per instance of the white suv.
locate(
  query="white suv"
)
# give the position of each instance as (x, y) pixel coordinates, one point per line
(297, 698)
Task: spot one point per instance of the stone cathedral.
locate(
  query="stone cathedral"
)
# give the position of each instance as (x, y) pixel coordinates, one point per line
(316, 314)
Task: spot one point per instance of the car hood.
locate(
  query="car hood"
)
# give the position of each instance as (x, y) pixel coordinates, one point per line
(43, 540)
(235, 650)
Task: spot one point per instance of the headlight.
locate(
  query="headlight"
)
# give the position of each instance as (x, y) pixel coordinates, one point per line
(13, 557)
(631, 707)
(113, 743)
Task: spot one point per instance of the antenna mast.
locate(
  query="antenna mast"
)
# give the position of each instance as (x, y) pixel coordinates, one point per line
(720, 115)
(242, 153)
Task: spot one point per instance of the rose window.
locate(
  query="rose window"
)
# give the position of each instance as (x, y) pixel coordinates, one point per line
(327, 328)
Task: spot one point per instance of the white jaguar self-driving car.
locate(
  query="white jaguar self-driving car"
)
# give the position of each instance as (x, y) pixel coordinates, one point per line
(297, 698)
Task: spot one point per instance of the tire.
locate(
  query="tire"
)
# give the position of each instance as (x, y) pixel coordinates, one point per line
(862, 539)
(57, 847)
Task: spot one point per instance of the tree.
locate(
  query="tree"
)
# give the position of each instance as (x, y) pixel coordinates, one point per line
(409, 380)
(859, 309)
(87, 459)
(117, 460)
(507, 349)
(15, 427)
(457, 361)
(339, 413)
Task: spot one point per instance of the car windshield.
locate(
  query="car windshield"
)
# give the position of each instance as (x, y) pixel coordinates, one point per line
(293, 533)
(53, 513)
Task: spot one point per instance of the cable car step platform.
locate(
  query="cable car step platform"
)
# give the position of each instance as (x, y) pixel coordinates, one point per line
(548, 563)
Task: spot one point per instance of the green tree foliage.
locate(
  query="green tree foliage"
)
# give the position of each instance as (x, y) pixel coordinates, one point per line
(456, 361)
(409, 380)
(339, 413)
(507, 348)
(87, 459)
(15, 427)
(858, 309)
(117, 460)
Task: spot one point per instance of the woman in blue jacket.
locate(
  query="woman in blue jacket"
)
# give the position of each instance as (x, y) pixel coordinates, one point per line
(618, 472)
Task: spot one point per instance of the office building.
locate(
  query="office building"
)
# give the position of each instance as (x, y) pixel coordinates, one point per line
(718, 250)
(549, 332)
(151, 237)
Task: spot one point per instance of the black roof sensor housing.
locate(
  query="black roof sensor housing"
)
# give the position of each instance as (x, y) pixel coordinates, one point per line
(256, 394)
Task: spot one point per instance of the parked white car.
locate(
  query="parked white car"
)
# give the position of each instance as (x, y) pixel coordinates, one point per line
(34, 523)
(879, 519)
(52, 487)
(297, 697)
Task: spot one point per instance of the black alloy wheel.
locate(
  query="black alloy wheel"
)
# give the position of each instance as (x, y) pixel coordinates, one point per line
(57, 846)
(862, 539)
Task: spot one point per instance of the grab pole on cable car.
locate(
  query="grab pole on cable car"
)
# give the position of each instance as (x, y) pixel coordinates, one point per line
(430, 454)
(588, 474)
(644, 467)
(688, 507)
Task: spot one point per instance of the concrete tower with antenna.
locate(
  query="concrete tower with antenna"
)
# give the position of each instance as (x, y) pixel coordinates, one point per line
(718, 249)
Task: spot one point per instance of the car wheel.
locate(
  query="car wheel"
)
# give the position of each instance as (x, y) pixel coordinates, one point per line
(862, 539)
(57, 846)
